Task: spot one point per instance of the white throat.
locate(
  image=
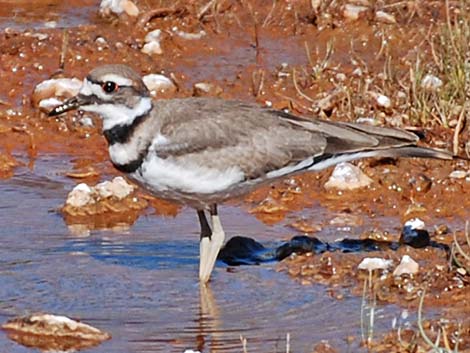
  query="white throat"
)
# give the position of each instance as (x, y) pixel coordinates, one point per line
(119, 114)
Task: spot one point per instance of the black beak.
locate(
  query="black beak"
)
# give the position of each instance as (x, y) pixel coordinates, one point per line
(70, 104)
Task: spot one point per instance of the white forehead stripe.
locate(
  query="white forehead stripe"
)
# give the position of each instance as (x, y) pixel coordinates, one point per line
(119, 80)
(87, 88)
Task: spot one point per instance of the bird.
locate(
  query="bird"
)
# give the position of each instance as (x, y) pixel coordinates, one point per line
(200, 151)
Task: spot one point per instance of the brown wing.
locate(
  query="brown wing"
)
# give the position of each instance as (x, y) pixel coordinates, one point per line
(226, 134)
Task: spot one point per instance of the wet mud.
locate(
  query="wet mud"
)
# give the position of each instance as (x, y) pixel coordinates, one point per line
(134, 274)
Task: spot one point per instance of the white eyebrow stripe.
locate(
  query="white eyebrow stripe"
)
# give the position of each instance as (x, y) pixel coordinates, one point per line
(119, 80)
(89, 89)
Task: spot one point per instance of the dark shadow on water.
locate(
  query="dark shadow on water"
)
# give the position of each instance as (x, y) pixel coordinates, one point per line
(143, 255)
(237, 251)
(246, 251)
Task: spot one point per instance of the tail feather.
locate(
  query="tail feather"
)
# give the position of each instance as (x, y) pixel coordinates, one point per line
(414, 151)
(328, 160)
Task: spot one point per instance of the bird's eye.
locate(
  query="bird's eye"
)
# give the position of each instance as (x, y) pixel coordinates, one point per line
(109, 87)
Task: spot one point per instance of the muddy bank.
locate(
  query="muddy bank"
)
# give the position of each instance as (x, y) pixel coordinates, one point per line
(313, 60)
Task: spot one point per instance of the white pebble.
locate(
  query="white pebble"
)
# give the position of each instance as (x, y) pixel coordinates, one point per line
(58, 87)
(353, 12)
(374, 263)
(118, 188)
(385, 17)
(341, 77)
(152, 43)
(154, 35)
(367, 120)
(49, 103)
(189, 36)
(415, 223)
(383, 101)
(158, 83)
(152, 48)
(407, 266)
(118, 7)
(81, 195)
(55, 328)
(431, 83)
(458, 174)
(347, 176)
(86, 121)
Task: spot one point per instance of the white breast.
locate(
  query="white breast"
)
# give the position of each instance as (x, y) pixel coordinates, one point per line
(170, 175)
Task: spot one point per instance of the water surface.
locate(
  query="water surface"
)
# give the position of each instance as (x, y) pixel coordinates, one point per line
(141, 284)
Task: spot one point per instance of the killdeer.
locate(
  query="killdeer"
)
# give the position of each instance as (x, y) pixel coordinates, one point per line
(202, 151)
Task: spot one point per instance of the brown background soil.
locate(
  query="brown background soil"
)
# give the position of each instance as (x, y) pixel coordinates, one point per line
(243, 52)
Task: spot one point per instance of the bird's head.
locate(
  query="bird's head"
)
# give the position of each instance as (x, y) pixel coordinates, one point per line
(115, 92)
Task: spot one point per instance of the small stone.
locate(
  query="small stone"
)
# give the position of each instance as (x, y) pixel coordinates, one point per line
(462, 271)
(154, 35)
(59, 89)
(407, 266)
(152, 43)
(158, 83)
(431, 83)
(368, 121)
(117, 7)
(206, 89)
(86, 121)
(385, 17)
(415, 234)
(130, 8)
(458, 174)
(38, 36)
(189, 36)
(347, 176)
(53, 333)
(353, 12)
(341, 77)
(118, 188)
(374, 263)
(101, 41)
(48, 104)
(80, 196)
(381, 100)
(315, 4)
(152, 48)
(415, 223)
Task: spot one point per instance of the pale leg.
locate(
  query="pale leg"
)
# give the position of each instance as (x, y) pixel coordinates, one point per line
(210, 244)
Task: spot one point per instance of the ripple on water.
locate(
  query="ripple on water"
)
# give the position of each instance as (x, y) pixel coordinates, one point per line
(141, 285)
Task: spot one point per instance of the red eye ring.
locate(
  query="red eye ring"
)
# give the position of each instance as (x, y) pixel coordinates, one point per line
(109, 86)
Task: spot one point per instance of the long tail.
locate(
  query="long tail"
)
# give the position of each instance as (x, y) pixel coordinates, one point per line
(325, 161)
(415, 151)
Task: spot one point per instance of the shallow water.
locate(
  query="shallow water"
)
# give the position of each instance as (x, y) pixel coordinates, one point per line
(141, 284)
(22, 14)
